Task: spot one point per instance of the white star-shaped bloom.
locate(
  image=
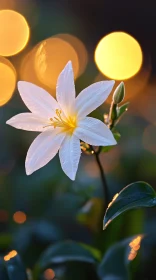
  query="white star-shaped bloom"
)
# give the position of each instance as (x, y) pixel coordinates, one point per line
(62, 122)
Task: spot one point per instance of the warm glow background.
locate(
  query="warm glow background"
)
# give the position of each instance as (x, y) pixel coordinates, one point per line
(14, 32)
(104, 40)
(118, 56)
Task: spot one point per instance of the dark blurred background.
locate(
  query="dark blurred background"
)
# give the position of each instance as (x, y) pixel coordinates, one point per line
(46, 207)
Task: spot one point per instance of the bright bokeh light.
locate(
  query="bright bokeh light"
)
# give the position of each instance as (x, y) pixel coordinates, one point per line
(43, 64)
(28, 73)
(51, 57)
(134, 86)
(10, 255)
(49, 274)
(27, 70)
(7, 80)
(19, 217)
(14, 32)
(80, 49)
(114, 198)
(135, 246)
(13, 254)
(118, 56)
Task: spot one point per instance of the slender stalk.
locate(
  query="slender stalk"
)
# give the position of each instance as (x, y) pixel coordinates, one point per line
(111, 122)
(103, 178)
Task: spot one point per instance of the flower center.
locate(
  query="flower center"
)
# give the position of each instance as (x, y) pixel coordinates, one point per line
(67, 124)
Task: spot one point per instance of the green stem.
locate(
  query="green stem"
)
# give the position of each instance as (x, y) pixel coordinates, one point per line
(112, 119)
(103, 178)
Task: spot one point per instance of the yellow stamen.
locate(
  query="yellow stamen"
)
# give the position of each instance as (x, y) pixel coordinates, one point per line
(67, 124)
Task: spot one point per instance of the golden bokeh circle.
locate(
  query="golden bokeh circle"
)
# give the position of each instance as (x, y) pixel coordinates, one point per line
(19, 217)
(7, 80)
(49, 274)
(51, 57)
(27, 70)
(134, 86)
(80, 49)
(14, 32)
(118, 56)
(28, 73)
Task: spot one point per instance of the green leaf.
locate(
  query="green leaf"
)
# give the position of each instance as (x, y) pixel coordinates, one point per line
(122, 109)
(135, 195)
(15, 268)
(3, 272)
(67, 251)
(95, 252)
(117, 137)
(114, 265)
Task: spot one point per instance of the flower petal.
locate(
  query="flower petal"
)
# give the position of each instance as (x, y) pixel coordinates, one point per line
(94, 132)
(38, 100)
(65, 89)
(69, 153)
(92, 97)
(43, 149)
(27, 121)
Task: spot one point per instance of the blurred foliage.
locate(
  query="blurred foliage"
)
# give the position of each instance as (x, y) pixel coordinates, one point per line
(136, 195)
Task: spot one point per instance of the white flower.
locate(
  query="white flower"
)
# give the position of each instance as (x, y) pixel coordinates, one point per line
(63, 122)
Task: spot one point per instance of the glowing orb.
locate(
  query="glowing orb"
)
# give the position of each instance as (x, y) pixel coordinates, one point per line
(49, 274)
(118, 56)
(51, 57)
(19, 217)
(14, 32)
(80, 49)
(7, 80)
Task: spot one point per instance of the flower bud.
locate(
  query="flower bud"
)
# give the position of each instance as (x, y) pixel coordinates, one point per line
(119, 93)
